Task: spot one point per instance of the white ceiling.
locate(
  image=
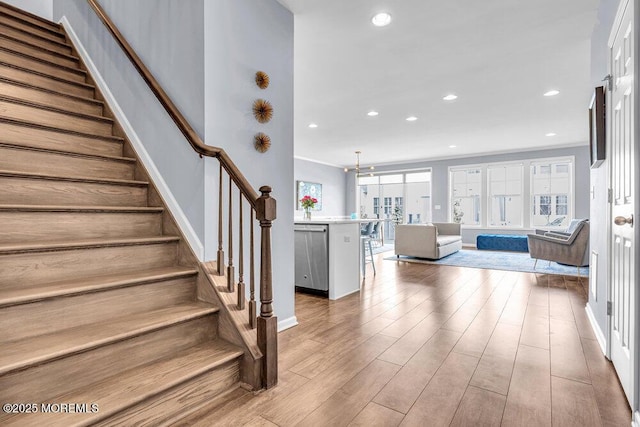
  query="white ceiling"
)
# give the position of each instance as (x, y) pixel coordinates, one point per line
(498, 56)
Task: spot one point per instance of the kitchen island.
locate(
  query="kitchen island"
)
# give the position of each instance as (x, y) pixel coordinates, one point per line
(327, 256)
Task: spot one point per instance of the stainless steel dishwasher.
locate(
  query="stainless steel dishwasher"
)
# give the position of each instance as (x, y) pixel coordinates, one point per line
(312, 258)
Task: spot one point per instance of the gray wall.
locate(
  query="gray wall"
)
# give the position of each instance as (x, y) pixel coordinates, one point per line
(599, 177)
(333, 180)
(42, 8)
(242, 37)
(208, 71)
(440, 182)
(171, 32)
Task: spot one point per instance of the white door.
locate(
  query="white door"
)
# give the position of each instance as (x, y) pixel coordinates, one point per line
(621, 122)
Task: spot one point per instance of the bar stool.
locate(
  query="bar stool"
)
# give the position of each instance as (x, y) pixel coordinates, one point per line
(366, 240)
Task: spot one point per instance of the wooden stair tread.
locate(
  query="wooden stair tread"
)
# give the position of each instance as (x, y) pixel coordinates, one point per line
(35, 46)
(68, 153)
(83, 244)
(47, 75)
(27, 294)
(52, 39)
(51, 91)
(42, 106)
(87, 209)
(4, 173)
(72, 70)
(48, 128)
(25, 16)
(129, 388)
(21, 354)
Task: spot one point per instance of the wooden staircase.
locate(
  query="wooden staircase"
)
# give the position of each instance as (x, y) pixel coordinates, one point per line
(98, 289)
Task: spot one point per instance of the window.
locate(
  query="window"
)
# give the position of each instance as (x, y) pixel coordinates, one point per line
(397, 197)
(466, 191)
(387, 207)
(551, 193)
(505, 195)
(561, 205)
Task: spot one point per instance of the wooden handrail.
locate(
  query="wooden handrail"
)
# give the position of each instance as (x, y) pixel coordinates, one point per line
(187, 130)
(262, 204)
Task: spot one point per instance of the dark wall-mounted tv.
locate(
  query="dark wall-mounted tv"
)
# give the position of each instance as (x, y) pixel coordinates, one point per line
(597, 127)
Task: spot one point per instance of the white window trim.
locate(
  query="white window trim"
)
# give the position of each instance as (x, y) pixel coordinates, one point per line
(483, 182)
(571, 206)
(522, 195)
(527, 191)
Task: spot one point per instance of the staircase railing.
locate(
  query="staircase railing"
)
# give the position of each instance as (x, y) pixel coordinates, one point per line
(263, 209)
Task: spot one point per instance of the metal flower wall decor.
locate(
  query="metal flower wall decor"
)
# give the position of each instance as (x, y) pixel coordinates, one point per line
(262, 110)
(262, 80)
(261, 142)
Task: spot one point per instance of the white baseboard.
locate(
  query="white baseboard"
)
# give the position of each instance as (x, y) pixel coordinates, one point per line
(635, 421)
(600, 336)
(138, 146)
(287, 323)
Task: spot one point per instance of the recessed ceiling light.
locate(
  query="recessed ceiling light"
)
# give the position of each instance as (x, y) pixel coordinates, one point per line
(381, 19)
(552, 93)
(411, 119)
(313, 125)
(550, 134)
(452, 146)
(372, 113)
(450, 97)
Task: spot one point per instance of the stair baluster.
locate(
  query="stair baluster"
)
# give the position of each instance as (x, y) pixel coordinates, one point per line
(253, 320)
(220, 257)
(230, 269)
(241, 289)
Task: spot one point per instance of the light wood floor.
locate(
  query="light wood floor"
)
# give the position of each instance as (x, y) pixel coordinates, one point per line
(430, 345)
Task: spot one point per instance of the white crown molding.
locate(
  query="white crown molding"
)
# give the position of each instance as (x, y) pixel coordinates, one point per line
(138, 146)
(306, 159)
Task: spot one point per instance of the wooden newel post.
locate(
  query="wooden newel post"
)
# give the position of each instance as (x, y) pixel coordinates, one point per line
(267, 322)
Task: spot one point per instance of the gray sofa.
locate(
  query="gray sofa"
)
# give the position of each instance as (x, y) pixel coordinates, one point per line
(433, 241)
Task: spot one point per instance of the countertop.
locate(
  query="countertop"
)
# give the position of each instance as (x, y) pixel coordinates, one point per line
(334, 220)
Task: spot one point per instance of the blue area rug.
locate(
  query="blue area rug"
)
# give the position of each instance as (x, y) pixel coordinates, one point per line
(497, 260)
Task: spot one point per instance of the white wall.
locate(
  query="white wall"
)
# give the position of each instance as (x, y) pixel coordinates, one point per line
(242, 37)
(599, 176)
(42, 8)
(333, 180)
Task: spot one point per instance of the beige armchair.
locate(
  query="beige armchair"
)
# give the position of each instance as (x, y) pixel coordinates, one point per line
(569, 247)
(432, 241)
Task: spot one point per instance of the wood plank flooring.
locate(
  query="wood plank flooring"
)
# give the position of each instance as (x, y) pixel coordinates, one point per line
(437, 345)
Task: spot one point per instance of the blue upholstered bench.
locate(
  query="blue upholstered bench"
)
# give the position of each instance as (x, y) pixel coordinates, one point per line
(502, 242)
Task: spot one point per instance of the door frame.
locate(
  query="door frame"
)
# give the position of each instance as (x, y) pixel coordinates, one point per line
(635, 404)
